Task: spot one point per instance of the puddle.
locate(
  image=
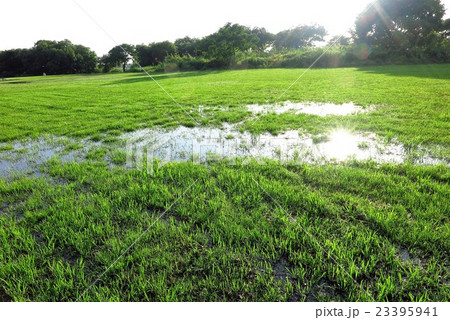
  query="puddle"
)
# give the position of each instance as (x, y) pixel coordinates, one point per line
(404, 255)
(184, 144)
(318, 109)
(203, 144)
(28, 156)
(406, 258)
(342, 145)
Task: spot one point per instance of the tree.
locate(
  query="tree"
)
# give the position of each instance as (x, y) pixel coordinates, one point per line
(225, 43)
(446, 28)
(86, 60)
(264, 38)
(340, 40)
(52, 57)
(143, 55)
(155, 52)
(104, 63)
(405, 27)
(299, 37)
(187, 46)
(160, 50)
(13, 62)
(119, 55)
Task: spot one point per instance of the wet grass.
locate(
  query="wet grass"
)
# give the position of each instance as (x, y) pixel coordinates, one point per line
(6, 147)
(357, 231)
(411, 102)
(248, 232)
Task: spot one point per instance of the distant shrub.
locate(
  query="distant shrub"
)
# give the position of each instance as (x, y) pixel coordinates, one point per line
(250, 61)
(186, 63)
(339, 56)
(116, 70)
(304, 58)
(134, 68)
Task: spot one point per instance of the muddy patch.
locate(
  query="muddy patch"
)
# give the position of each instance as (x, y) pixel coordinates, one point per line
(38, 237)
(71, 257)
(323, 291)
(318, 109)
(281, 270)
(4, 297)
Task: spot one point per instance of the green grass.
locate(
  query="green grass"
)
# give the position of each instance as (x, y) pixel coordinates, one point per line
(271, 231)
(6, 147)
(226, 239)
(73, 147)
(412, 101)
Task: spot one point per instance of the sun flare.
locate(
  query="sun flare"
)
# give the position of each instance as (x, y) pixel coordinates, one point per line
(341, 145)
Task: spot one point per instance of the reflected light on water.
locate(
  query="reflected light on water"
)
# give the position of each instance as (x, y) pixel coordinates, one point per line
(342, 144)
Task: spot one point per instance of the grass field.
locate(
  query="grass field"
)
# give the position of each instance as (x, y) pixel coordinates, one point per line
(412, 101)
(249, 231)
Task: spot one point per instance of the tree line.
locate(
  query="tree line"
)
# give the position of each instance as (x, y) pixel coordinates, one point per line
(50, 57)
(390, 31)
(218, 48)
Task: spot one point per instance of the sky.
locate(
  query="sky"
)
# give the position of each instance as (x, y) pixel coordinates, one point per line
(23, 22)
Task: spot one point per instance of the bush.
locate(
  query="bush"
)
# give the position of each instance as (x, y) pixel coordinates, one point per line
(186, 63)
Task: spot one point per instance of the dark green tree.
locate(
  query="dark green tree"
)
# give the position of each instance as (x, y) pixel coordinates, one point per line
(119, 55)
(104, 63)
(143, 55)
(264, 38)
(14, 62)
(225, 43)
(86, 60)
(446, 28)
(187, 46)
(155, 52)
(299, 37)
(400, 27)
(52, 57)
(160, 50)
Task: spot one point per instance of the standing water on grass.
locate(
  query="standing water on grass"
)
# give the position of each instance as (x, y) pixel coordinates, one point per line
(318, 109)
(183, 144)
(201, 144)
(27, 157)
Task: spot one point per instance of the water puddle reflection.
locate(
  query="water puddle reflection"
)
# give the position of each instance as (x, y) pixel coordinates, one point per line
(183, 144)
(27, 157)
(202, 144)
(318, 109)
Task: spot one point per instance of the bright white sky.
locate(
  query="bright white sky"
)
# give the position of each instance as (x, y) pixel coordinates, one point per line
(23, 22)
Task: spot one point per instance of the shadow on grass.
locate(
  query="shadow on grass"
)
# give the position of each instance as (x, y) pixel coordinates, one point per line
(431, 71)
(142, 77)
(13, 82)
